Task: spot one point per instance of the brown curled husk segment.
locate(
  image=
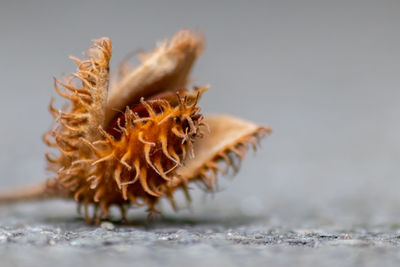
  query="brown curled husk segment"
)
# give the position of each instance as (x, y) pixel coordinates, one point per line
(86, 91)
(166, 68)
(228, 138)
(87, 100)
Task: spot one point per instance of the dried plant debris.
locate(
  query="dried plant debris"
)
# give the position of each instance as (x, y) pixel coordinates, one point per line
(141, 141)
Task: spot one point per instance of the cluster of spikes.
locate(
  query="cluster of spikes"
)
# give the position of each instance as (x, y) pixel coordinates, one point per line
(143, 139)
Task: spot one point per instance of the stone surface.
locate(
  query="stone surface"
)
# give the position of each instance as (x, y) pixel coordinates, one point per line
(49, 234)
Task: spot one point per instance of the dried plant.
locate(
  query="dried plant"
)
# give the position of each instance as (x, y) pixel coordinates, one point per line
(143, 140)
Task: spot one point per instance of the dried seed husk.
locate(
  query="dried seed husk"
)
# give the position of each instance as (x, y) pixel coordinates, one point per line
(167, 68)
(80, 120)
(159, 144)
(227, 135)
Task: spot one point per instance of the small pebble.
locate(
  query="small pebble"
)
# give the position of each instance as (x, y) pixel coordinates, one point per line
(107, 226)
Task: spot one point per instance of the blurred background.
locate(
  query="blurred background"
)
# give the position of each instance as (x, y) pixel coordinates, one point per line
(323, 74)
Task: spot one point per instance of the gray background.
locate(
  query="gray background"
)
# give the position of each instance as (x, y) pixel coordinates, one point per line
(323, 74)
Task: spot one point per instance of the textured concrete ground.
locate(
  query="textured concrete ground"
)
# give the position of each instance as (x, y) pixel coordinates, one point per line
(50, 234)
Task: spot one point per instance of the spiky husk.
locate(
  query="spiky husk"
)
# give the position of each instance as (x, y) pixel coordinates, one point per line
(225, 143)
(133, 168)
(86, 91)
(150, 150)
(126, 162)
(86, 109)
